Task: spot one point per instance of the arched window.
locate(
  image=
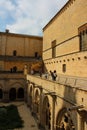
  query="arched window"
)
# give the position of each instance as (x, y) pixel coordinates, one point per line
(20, 93)
(36, 54)
(1, 94)
(12, 94)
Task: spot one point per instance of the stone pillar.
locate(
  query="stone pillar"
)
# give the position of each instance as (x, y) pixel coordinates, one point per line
(33, 99)
(53, 111)
(6, 90)
(5, 96)
(80, 123)
(26, 92)
(40, 107)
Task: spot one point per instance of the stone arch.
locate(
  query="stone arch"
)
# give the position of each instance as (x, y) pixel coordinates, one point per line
(64, 121)
(1, 93)
(20, 93)
(30, 91)
(15, 89)
(12, 94)
(46, 113)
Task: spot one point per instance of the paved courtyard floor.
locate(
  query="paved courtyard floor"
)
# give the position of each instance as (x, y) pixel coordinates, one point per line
(29, 121)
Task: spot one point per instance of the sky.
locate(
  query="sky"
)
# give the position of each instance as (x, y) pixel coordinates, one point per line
(27, 16)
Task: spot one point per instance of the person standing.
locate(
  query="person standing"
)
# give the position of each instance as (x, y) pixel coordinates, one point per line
(54, 75)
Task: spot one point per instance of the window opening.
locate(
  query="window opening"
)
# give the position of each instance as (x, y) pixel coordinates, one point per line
(83, 37)
(53, 45)
(14, 53)
(64, 68)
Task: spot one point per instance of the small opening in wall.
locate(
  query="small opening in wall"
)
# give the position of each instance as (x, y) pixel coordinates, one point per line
(82, 99)
(64, 68)
(68, 60)
(78, 58)
(85, 57)
(72, 58)
(36, 54)
(14, 53)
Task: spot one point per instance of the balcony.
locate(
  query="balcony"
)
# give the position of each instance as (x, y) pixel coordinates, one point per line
(46, 81)
(9, 75)
(19, 58)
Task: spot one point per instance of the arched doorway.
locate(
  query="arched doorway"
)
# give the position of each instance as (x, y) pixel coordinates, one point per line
(12, 94)
(46, 114)
(64, 121)
(14, 53)
(20, 93)
(1, 93)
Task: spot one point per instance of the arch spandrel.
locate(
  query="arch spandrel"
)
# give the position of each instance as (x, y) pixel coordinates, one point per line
(64, 120)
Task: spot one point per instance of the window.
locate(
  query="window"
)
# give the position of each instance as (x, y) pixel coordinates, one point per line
(36, 54)
(14, 53)
(53, 45)
(64, 68)
(83, 37)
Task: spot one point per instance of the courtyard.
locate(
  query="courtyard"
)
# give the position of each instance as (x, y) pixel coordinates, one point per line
(25, 114)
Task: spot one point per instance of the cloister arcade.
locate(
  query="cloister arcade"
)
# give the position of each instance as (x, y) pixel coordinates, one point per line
(43, 106)
(13, 93)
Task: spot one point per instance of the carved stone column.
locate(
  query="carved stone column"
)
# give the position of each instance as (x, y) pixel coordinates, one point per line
(5, 96)
(6, 90)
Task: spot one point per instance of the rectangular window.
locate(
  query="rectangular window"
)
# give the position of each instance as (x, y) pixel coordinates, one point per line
(14, 53)
(64, 68)
(83, 37)
(36, 54)
(53, 45)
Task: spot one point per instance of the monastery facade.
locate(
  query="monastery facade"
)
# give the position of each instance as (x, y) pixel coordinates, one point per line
(17, 51)
(62, 104)
(59, 104)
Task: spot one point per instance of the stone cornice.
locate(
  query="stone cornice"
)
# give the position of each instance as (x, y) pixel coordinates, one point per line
(20, 35)
(82, 28)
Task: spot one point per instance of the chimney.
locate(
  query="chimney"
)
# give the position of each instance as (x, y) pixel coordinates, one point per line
(7, 30)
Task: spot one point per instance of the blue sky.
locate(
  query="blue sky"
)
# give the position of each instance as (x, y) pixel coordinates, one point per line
(27, 16)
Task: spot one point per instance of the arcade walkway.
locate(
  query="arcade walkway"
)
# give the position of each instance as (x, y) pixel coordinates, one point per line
(29, 122)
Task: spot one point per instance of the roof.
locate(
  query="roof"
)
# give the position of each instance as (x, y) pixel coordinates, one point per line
(20, 35)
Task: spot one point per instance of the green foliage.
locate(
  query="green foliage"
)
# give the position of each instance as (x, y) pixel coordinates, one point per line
(10, 118)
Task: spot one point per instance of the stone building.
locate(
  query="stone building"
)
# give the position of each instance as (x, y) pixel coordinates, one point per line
(62, 104)
(17, 51)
